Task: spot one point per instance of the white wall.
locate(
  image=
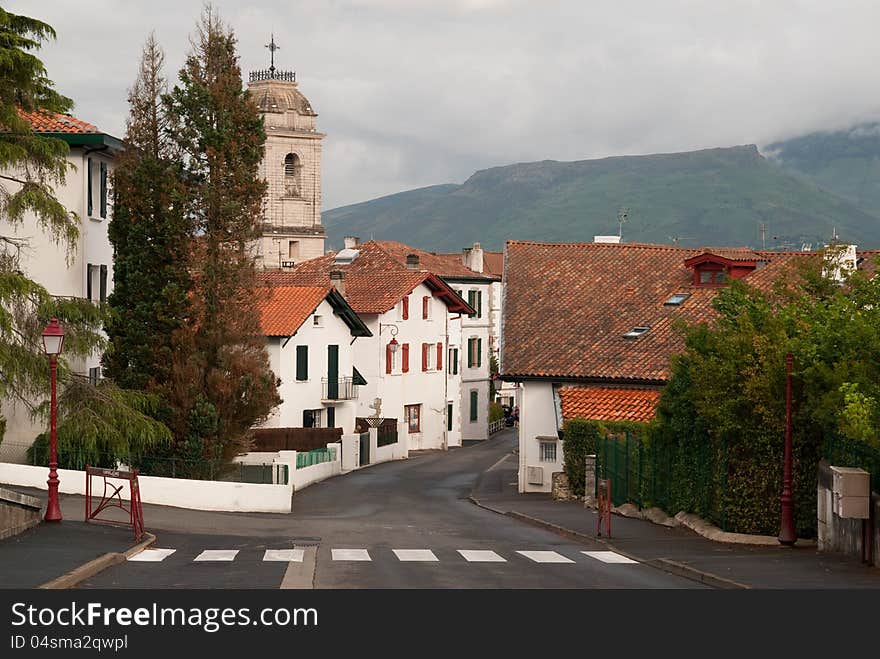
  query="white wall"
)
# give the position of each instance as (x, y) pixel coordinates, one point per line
(537, 419)
(428, 389)
(178, 492)
(63, 274)
(307, 394)
(475, 378)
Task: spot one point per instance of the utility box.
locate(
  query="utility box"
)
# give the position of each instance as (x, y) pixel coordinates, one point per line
(851, 492)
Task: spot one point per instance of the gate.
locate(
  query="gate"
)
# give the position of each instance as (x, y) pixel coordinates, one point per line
(365, 449)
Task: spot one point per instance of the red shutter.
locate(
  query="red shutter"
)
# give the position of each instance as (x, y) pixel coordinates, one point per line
(425, 307)
(439, 356)
(406, 307)
(424, 356)
(405, 349)
(388, 358)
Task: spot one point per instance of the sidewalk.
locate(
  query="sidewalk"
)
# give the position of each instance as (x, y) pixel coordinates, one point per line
(51, 550)
(679, 549)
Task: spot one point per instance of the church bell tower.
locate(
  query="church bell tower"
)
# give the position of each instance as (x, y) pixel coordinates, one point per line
(291, 227)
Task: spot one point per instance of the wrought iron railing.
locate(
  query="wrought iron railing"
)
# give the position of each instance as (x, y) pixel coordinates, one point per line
(339, 389)
(273, 74)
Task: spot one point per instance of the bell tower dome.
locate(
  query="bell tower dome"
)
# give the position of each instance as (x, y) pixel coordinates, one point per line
(291, 227)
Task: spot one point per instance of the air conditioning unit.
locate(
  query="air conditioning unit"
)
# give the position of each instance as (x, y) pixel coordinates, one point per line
(535, 475)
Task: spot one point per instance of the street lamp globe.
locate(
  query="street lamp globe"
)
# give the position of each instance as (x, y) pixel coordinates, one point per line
(393, 345)
(53, 338)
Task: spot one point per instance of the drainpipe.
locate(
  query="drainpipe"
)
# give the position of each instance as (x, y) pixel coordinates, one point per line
(446, 386)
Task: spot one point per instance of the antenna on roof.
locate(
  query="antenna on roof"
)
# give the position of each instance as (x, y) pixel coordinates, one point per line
(622, 217)
(763, 235)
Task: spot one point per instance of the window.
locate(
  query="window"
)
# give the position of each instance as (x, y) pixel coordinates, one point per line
(452, 367)
(103, 190)
(475, 300)
(475, 352)
(318, 321)
(548, 451)
(94, 376)
(404, 349)
(103, 284)
(312, 419)
(391, 358)
(426, 307)
(89, 186)
(676, 299)
(636, 332)
(96, 282)
(449, 417)
(427, 357)
(293, 249)
(302, 363)
(475, 412)
(292, 173)
(709, 277)
(413, 418)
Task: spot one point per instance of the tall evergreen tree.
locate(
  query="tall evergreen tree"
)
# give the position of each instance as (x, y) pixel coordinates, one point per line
(151, 236)
(223, 381)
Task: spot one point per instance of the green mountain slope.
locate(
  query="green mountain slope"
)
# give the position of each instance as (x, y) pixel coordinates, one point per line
(714, 196)
(845, 162)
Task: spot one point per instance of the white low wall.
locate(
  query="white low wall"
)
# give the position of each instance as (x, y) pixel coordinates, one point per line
(178, 492)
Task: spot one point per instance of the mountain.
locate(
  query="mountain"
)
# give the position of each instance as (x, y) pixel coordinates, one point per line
(845, 162)
(714, 196)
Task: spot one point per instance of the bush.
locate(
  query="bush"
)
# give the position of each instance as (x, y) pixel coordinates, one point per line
(578, 441)
(496, 412)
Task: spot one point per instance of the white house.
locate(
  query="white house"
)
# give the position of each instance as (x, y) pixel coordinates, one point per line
(88, 270)
(410, 313)
(311, 333)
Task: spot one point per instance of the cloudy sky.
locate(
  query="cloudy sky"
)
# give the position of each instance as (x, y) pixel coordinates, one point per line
(419, 92)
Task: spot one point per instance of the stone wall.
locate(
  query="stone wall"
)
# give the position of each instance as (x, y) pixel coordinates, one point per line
(18, 512)
(837, 534)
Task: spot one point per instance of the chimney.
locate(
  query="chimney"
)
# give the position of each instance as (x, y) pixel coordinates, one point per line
(412, 261)
(337, 280)
(476, 258)
(351, 242)
(466, 257)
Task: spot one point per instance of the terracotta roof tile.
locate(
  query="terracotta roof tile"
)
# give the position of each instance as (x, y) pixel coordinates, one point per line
(283, 309)
(609, 404)
(568, 306)
(493, 263)
(448, 266)
(51, 122)
(374, 282)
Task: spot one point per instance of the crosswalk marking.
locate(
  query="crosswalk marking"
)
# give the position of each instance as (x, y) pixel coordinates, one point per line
(350, 555)
(545, 556)
(152, 555)
(416, 555)
(481, 556)
(285, 555)
(217, 555)
(608, 557)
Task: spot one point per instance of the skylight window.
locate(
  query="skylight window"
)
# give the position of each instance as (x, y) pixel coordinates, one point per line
(346, 256)
(636, 332)
(677, 299)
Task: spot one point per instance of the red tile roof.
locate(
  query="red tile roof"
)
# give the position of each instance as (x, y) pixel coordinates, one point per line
(448, 266)
(609, 404)
(283, 309)
(51, 122)
(374, 282)
(568, 306)
(493, 263)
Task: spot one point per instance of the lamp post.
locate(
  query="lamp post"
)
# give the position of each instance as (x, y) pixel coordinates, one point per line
(787, 535)
(53, 341)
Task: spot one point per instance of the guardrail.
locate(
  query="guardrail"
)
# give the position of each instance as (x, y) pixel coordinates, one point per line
(496, 426)
(339, 389)
(315, 457)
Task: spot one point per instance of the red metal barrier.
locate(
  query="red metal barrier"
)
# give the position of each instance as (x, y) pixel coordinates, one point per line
(111, 497)
(604, 507)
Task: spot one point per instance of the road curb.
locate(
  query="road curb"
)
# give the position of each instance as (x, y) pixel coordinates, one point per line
(93, 567)
(682, 570)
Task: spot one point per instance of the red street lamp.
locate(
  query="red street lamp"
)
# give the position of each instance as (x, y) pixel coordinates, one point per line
(53, 341)
(787, 535)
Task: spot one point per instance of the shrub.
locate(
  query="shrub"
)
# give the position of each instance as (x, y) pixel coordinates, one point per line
(578, 441)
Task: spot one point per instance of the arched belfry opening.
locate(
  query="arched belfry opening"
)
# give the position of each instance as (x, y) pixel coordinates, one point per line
(292, 175)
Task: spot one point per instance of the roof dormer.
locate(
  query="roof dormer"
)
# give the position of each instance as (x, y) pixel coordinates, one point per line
(715, 267)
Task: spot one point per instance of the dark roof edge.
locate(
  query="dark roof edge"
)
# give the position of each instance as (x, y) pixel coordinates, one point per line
(513, 377)
(88, 139)
(343, 309)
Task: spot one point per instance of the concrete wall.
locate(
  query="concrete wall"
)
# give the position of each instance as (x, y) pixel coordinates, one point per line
(299, 395)
(397, 451)
(537, 419)
(18, 512)
(178, 492)
(837, 534)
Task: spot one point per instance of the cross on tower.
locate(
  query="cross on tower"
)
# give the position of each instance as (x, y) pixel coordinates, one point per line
(272, 46)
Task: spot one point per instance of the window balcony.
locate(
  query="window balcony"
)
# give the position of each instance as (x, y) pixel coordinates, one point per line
(338, 389)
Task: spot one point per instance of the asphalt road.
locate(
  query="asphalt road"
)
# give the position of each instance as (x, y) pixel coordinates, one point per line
(383, 513)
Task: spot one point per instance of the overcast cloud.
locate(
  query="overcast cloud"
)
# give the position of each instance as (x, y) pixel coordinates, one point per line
(419, 92)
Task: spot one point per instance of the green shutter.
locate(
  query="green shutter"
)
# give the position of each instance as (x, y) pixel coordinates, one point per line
(479, 352)
(472, 301)
(332, 373)
(449, 417)
(479, 304)
(302, 362)
(103, 189)
(331, 417)
(474, 401)
(89, 184)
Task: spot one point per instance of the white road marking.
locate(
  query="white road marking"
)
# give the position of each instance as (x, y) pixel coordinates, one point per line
(151, 555)
(286, 555)
(481, 556)
(350, 555)
(608, 557)
(423, 555)
(217, 555)
(545, 556)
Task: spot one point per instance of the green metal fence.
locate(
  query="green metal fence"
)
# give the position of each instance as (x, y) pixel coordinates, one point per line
(317, 456)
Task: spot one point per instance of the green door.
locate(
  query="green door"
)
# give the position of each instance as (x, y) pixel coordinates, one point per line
(333, 372)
